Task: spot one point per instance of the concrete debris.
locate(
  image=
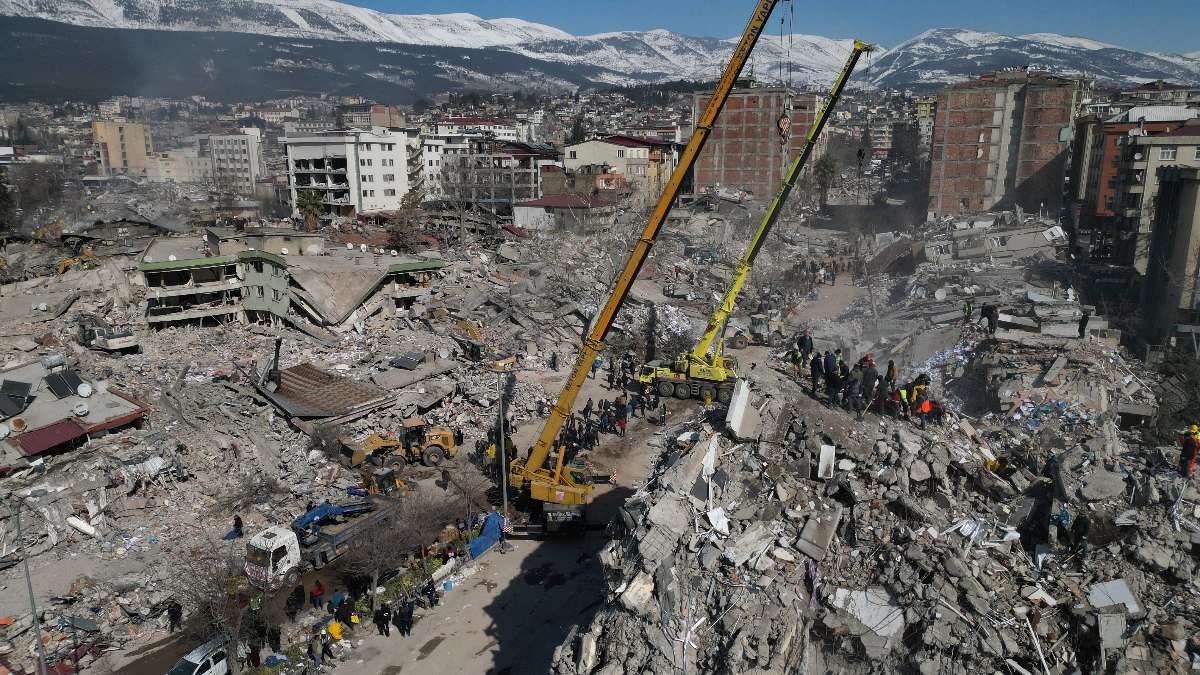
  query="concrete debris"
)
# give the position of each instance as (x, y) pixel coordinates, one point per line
(1023, 529)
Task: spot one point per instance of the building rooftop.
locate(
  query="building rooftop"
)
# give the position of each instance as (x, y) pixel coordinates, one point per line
(1156, 113)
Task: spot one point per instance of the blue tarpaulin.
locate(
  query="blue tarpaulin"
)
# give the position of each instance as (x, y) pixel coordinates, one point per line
(488, 536)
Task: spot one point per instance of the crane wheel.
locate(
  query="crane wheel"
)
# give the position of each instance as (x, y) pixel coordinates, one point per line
(665, 388)
(724, 395)
(708, 394)
(397, 464)
(433, 456)
(774, 340)
(740, 342)
(291, 579)
(682, 391)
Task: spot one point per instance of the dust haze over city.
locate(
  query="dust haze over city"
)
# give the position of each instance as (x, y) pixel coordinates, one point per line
(742, 338)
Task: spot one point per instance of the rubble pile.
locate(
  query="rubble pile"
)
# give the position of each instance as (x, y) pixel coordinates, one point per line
(1038, 537)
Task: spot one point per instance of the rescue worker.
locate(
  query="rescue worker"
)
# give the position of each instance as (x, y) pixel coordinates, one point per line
(1187, 455)
(817, 370)
(968, 310)
(921, 405)
(889, 376)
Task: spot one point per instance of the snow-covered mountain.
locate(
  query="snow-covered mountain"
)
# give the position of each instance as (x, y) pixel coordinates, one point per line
(928, 60)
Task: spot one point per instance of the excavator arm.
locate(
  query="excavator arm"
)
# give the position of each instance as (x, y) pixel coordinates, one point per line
(720, 315)
(564, 487)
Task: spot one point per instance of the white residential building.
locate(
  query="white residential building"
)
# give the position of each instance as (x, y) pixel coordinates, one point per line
(356, 170)
(503, 130)
(237, 160)
(185, 165)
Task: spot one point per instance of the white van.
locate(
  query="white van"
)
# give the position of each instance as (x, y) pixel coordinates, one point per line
(210, 658)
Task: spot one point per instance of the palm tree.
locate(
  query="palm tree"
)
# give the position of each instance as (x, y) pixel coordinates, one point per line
(824, 171)
(308, 203)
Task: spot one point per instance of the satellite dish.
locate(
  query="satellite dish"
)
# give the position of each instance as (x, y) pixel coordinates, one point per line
(147, 259)
(84, 390)
(283, 251)
(362, 248)
(349, 246)
(172, 258)
(1137, 156)
(940, 294)
(394, 253)
(80, 409)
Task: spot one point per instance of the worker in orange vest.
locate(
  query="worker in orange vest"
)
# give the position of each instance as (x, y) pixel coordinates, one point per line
(921, 403)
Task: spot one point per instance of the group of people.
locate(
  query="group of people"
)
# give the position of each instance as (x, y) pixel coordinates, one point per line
(861, 387)
(989, 313)
(342, 618)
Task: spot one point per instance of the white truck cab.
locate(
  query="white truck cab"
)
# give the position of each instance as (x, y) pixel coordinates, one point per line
(273, 558)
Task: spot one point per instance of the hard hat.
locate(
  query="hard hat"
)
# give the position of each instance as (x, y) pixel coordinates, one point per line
(868, 357)
(1194, 429)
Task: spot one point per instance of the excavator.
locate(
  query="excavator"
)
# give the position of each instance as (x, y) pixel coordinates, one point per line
(711, 376)
(87, 259)
(563, 489)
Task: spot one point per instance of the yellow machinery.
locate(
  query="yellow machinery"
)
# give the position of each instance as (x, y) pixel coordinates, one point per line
(565, 490)
(85, 258)
(711, 376)
(430, 447)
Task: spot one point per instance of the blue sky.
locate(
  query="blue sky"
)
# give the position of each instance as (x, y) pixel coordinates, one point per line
(1151, 25)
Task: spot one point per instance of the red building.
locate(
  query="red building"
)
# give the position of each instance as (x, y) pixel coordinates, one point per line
(757, 135)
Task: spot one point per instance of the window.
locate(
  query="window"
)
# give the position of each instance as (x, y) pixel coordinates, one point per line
(1198, 153)
(276, 295)
(389, 177)
(258, 291)
(366, 146)
(364, 193)
(1167, 153)
(431, 162)
(389, 193)
(620, 154)
(574, 155)
(372, 193)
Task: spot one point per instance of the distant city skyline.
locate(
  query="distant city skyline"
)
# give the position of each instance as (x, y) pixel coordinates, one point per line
(1169, 26)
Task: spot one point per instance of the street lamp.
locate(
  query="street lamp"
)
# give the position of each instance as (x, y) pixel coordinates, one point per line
(503, 368)
(14, 507)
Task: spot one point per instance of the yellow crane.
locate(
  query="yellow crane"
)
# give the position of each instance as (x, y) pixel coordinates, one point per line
(566, 490)
(704, 372)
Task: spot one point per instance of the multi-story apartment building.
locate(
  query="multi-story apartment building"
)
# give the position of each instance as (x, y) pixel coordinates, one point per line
(185, 165)
(1137, 186)
(759, 132)
(924, 110)
(645, 162)
(483, 169)
(1170, 294)
(123, 148)
(237, 163)
(1098, 146)
(356, 171)
(1002, 140)
(368, 115)
(501, 129)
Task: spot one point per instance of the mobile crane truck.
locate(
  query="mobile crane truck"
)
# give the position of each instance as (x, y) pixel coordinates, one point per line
(565, 491)
(277, 556)
(711, 376)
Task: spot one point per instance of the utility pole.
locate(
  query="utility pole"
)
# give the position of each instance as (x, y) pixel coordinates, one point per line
(15, 507)
(502, 367)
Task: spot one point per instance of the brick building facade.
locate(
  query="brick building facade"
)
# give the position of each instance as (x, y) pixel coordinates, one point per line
(1001, 140)
(747, 149)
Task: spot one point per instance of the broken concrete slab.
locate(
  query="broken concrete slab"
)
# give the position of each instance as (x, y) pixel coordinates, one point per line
(1102, 484)
(749, 543)
(818, 533)
(1113, 593)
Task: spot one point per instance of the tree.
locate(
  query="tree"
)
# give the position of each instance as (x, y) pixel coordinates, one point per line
(419, 518)
(205, 581)
(577, 134)
(311, 208)
(404, 221)
(8, 206)
(824, 172)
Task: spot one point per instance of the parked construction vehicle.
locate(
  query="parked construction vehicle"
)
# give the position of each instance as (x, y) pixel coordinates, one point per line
(763, 330)
(563, 489)
(705, 372)
(96, 333)
(417, 442)
(277, 556)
